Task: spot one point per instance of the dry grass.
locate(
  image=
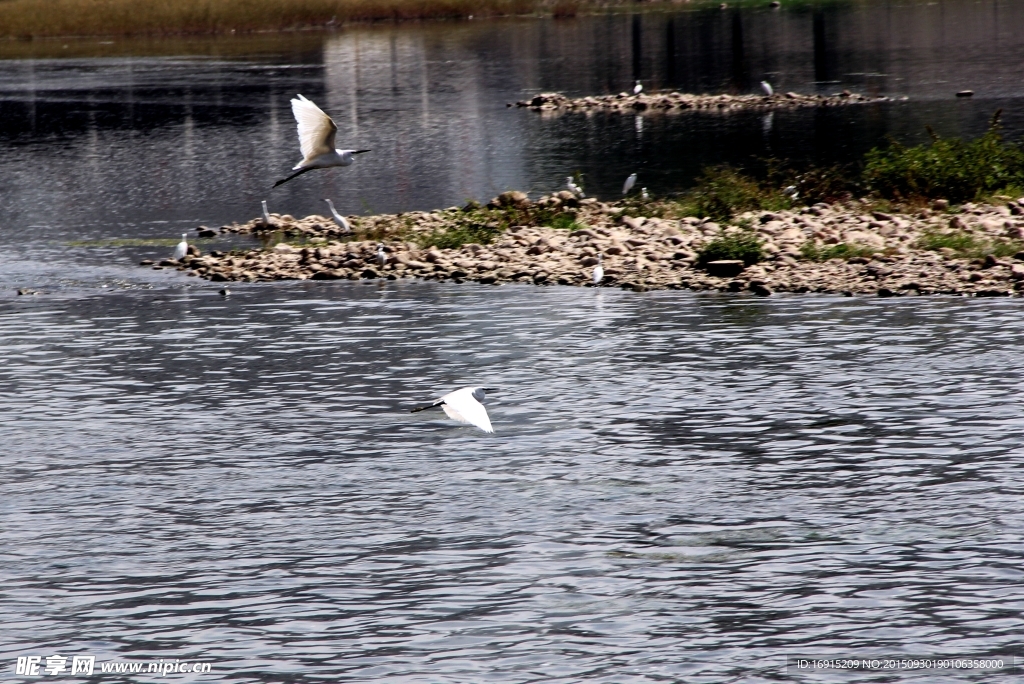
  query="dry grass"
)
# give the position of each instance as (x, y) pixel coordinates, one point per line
(26, 19)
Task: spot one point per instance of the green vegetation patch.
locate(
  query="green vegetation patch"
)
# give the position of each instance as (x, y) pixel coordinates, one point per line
(723, 192)
(135, 242)
(744, 245)
(967, 246)
(948, 168)
(565, 220)
(482, 225)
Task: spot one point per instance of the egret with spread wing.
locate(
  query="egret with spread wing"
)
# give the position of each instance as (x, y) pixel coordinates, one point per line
(317, 132)
(464, 405)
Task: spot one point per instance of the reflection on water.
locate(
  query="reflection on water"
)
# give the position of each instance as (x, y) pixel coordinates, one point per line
(680, 487)
(200, 139)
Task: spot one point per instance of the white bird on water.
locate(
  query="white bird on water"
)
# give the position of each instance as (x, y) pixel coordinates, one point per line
(638, 88)
(382, 257)
(767, 88)
(599, 269)
(573, 188)
(182, 248)
(317, 133)
(464, 405)
(628, 185)
(338, 218)
(266, 214)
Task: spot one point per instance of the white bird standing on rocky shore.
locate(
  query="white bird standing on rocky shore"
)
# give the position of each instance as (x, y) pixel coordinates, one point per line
(317, 133)
(182, 248)
(644, 195)
(628, 185)
(266, 214)
(464, 405)
(638, 88)
(767, 88)
(573, 188)
(599, 269)
(382, 256)
(338, 218)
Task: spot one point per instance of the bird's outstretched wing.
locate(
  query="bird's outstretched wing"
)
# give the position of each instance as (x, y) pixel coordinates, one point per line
(317, 131)
(461, 406)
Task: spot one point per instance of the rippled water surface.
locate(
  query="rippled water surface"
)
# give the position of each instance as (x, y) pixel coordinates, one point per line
(680, 487)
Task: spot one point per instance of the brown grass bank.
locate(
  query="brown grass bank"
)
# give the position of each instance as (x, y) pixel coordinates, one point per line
(27, 19)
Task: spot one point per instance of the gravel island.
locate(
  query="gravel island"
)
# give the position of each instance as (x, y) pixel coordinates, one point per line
(841, 248)
(683, 102)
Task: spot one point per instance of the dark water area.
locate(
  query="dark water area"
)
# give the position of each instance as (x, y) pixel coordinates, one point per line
(680, 487)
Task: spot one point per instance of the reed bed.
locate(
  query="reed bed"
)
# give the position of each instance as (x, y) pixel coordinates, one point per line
(28, 19)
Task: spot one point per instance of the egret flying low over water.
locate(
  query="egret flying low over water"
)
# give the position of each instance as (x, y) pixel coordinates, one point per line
(317, 133)
(638, 88)
(628, 185)
(338, 218)
(266, 214)
(182, 248)
(767, 88)
(464, 405)
(573, 188)
(599, 269)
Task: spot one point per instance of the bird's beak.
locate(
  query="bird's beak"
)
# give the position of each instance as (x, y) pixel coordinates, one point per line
(490, 389)
(359, 151)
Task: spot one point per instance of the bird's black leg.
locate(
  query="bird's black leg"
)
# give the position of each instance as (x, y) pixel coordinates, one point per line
(297, 173)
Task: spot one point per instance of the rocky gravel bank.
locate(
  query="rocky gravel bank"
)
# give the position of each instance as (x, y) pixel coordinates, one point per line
(879, 253)
(679, 102)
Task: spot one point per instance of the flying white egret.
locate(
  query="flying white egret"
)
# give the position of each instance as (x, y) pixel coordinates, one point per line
(573, 188)
(317, 132)
(638, 88)
(599, 269)
(382, 257)
(644, 195)
(628, 185)
(266, 214)
(767, 88)
(338, 218)
(464, 405)
(182, 248)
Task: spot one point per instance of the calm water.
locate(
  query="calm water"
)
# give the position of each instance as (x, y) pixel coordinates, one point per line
(681, 487)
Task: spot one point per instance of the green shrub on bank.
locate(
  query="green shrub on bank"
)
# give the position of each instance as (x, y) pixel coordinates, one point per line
(811, 251)
(744, 245)
(723, 192)
(948, 168)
